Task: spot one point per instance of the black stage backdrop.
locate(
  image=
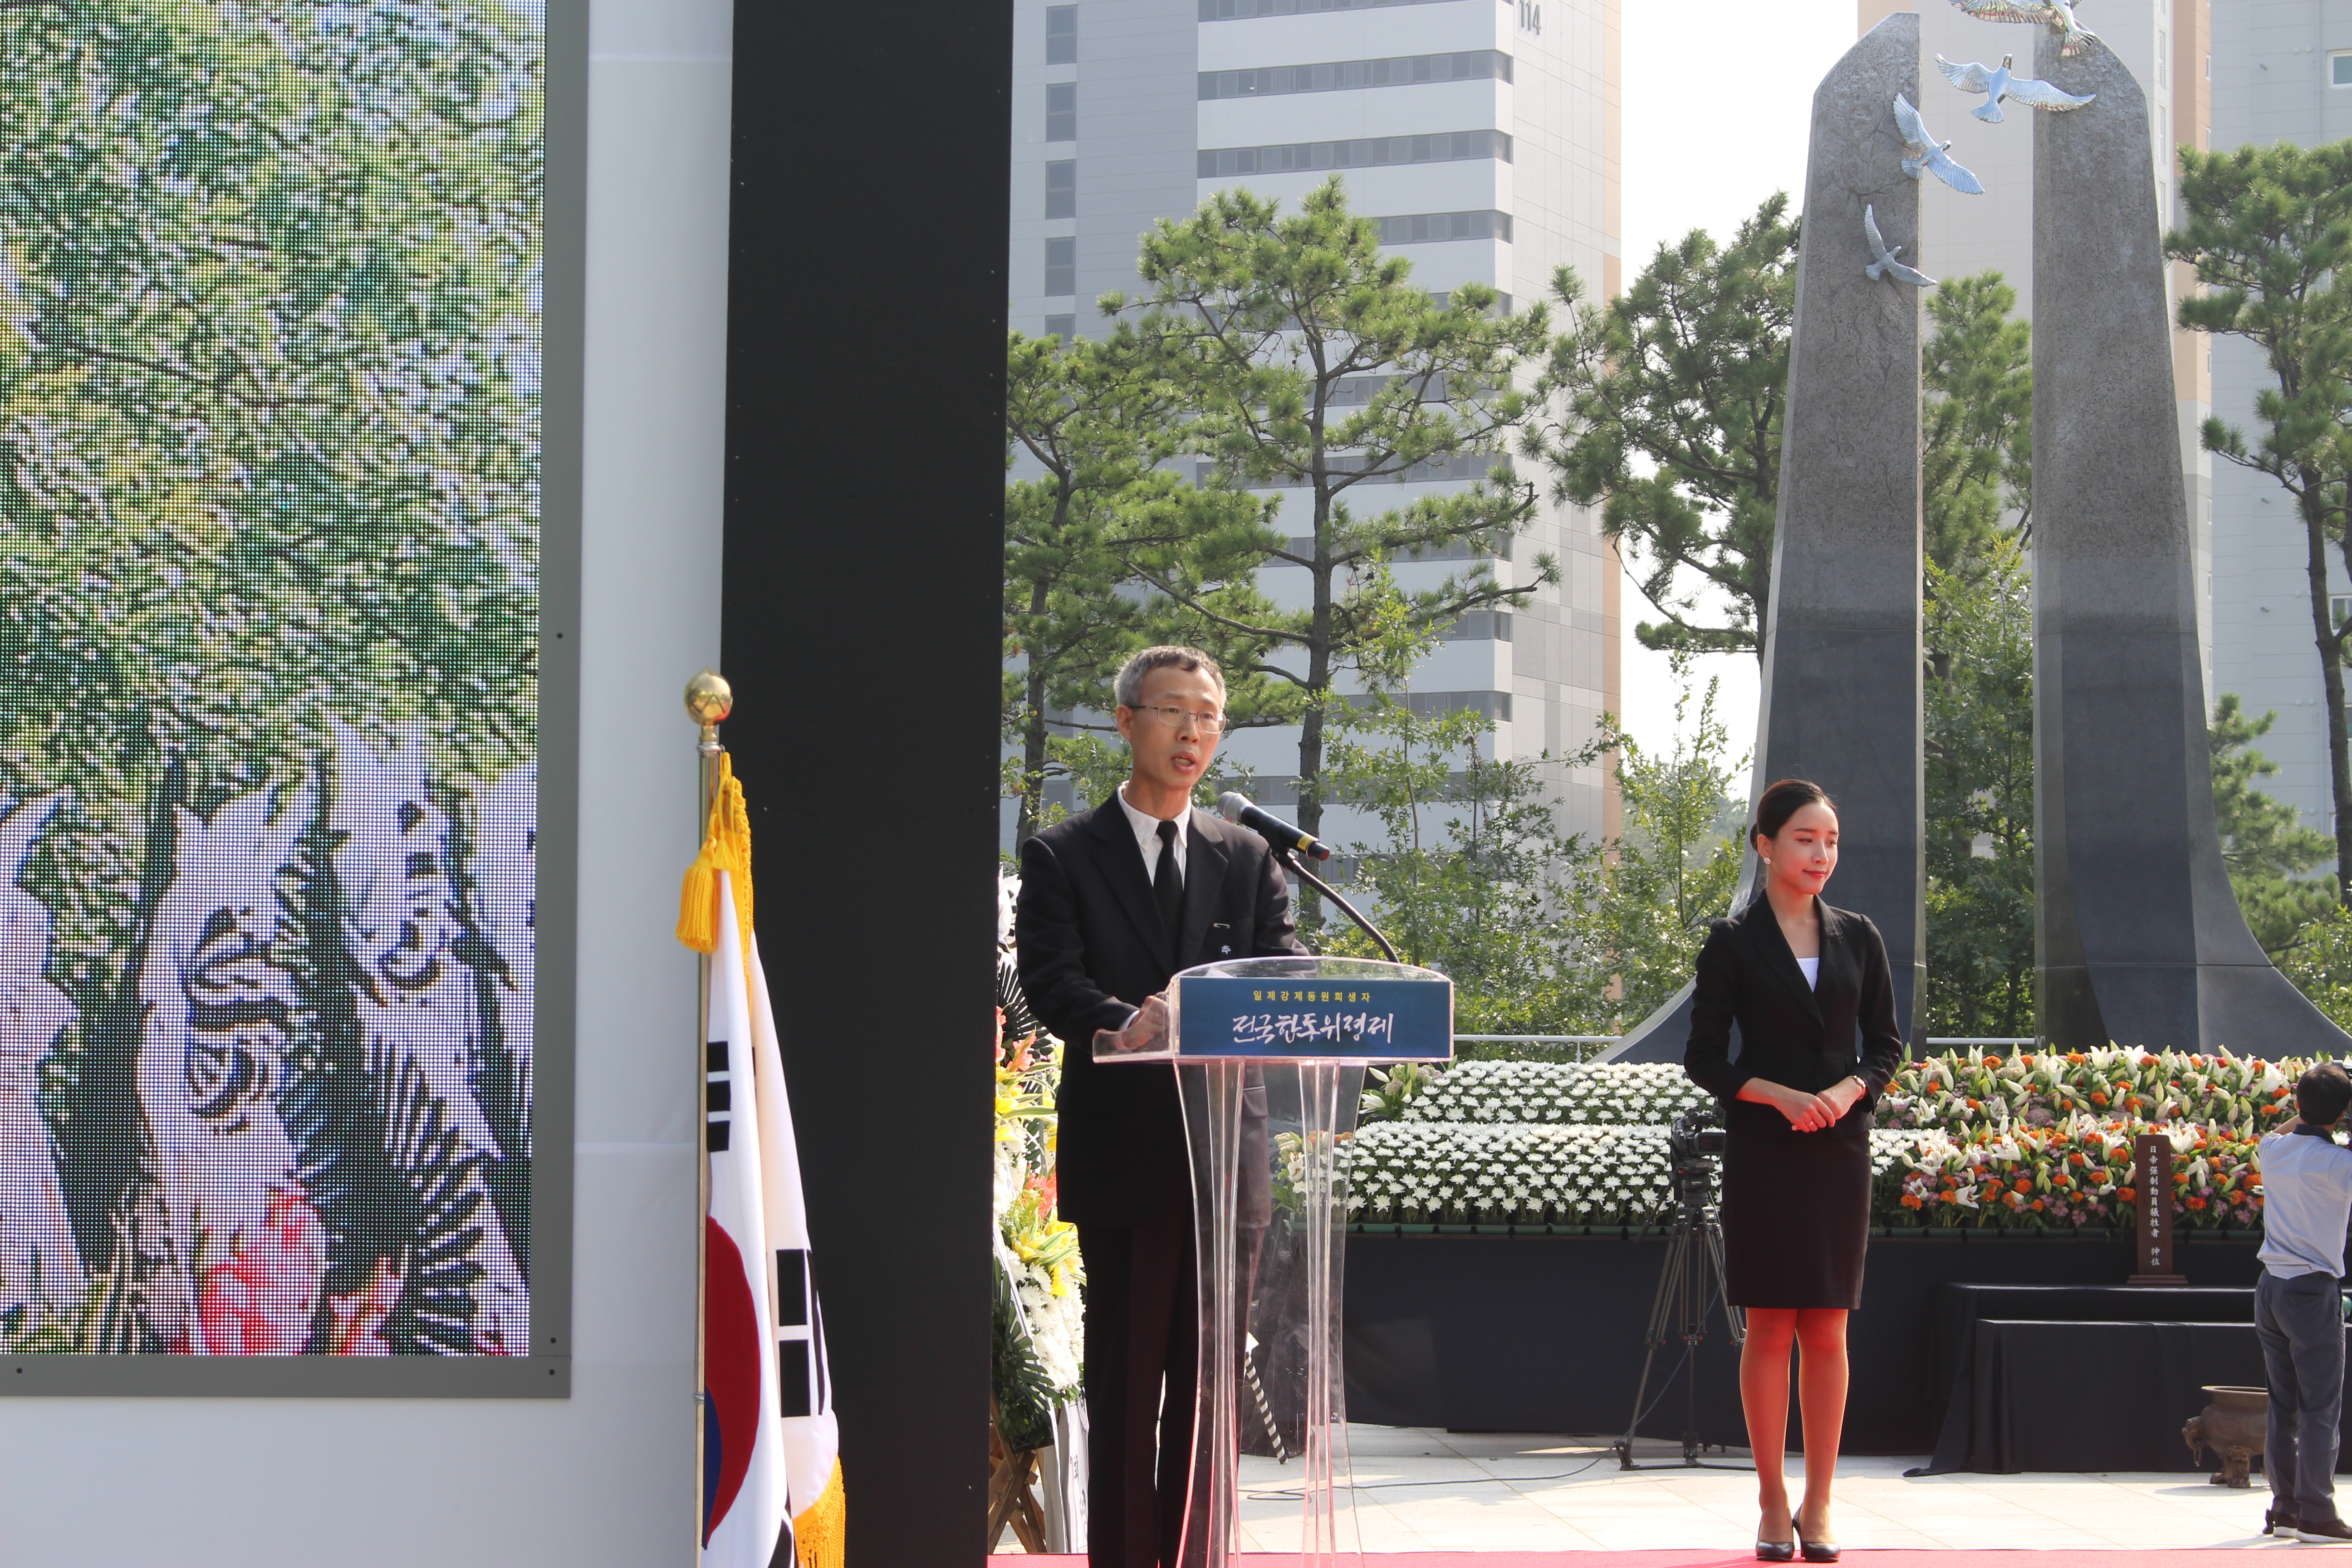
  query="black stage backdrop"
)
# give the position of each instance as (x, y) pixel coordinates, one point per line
(865, 536)
(1488, 1333)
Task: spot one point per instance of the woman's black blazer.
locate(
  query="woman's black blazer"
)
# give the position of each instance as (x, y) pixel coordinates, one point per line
(1801, 1036)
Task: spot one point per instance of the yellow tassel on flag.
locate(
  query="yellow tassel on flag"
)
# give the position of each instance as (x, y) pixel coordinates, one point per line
(725, 846)
(697, 908)
(819, 1532)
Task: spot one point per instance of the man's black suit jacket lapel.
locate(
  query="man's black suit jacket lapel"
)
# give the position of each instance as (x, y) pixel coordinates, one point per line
(1206, 851)
(1773, 947)
(1122, 861)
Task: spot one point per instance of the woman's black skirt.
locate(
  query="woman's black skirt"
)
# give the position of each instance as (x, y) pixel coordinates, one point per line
(1796, 1209)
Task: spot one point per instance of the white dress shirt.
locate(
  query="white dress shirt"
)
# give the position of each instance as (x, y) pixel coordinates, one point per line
(2306, 1197)
(1147, 838)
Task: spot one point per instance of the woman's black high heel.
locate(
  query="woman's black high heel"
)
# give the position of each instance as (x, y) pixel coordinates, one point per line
(1815, 1550)
(1775, 1550)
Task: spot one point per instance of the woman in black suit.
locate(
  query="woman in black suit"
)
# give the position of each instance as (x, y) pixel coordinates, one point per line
(1809, 988)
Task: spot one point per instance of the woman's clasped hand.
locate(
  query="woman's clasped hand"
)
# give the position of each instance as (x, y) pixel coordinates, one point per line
(1812, 1112)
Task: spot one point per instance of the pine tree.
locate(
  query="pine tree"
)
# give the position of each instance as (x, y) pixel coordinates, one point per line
(1093, 422)
(1980, 782)
(1977, 443)
(1316, 368)
(2263, 839)
(1663, 406)
(2270, 234)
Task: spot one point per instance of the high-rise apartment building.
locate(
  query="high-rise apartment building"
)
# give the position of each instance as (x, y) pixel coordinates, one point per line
(1483, 134)
(2281, 70)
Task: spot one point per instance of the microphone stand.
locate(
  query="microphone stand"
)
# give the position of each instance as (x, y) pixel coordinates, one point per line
(1285, 858)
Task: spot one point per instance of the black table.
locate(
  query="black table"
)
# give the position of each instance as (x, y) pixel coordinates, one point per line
(2088, 1397)
(2083, 1378)
(1958, 1306)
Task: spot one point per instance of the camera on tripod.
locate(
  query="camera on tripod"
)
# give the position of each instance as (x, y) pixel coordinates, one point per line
(1694, 1144)
(1697, 1134)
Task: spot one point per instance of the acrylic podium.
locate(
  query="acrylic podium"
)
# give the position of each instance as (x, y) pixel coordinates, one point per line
(1269, 1057)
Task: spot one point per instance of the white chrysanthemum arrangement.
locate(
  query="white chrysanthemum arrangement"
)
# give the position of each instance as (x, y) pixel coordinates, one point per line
(1420, 1171)
(1611, 1094)
(1976, 1138)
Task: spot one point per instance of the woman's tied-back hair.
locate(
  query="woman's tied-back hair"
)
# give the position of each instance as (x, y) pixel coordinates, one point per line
(1782, 800)
(1129, 685)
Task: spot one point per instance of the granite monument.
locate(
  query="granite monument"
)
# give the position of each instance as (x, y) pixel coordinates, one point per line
(2139, 938)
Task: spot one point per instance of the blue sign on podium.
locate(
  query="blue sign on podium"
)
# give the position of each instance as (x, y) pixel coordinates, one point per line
(1379, 1019)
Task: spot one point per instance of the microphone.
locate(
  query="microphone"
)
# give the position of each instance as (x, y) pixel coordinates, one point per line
(1235, 807)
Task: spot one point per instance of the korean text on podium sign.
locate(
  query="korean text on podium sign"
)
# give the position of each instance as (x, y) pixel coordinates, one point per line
(1361, 1019)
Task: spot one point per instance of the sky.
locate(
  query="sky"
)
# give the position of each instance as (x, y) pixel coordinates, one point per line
(1718, 94)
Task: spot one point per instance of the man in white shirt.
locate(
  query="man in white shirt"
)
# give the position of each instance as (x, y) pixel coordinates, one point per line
(2298, 1309)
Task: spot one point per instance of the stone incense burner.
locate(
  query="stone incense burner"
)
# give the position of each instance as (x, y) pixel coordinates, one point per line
(2234, 1427)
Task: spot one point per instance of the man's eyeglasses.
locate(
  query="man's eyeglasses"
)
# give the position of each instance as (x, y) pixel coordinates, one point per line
(1177, 717)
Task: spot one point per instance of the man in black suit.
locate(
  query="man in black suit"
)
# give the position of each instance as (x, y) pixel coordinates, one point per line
(1114, 902)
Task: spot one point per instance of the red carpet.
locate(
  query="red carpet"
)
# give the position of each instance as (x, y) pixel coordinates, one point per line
(1700, 1558)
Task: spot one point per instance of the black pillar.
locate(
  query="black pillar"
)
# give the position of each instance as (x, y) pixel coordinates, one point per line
(864, 489)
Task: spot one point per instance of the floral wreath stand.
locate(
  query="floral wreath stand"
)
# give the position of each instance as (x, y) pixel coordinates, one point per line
(1269, 1057)
(1011, 1489)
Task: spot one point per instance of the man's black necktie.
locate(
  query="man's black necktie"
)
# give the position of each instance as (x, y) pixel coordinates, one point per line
(1168, 884)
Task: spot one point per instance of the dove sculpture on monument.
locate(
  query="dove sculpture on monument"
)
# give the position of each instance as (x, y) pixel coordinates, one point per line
(1886, 266)
(1921, 151)
(1998, 82)
(2059, 14)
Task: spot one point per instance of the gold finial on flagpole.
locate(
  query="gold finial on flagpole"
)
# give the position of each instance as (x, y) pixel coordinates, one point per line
(709, 700)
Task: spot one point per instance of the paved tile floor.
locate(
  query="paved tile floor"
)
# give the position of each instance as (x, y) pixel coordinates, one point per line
(1418, 1489)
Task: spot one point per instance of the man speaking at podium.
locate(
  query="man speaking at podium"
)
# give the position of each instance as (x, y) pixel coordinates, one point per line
(1114, 902)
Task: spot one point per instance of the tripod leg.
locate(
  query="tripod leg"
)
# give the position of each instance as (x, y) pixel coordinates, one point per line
(1670, 1290)
(1694, 1305)
(1641, 1391)
(1663, 1306)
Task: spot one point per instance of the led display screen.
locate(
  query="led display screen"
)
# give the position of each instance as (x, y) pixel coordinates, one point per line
(269, 605)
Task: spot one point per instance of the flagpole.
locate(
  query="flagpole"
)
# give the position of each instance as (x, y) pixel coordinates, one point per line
(709, 700)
